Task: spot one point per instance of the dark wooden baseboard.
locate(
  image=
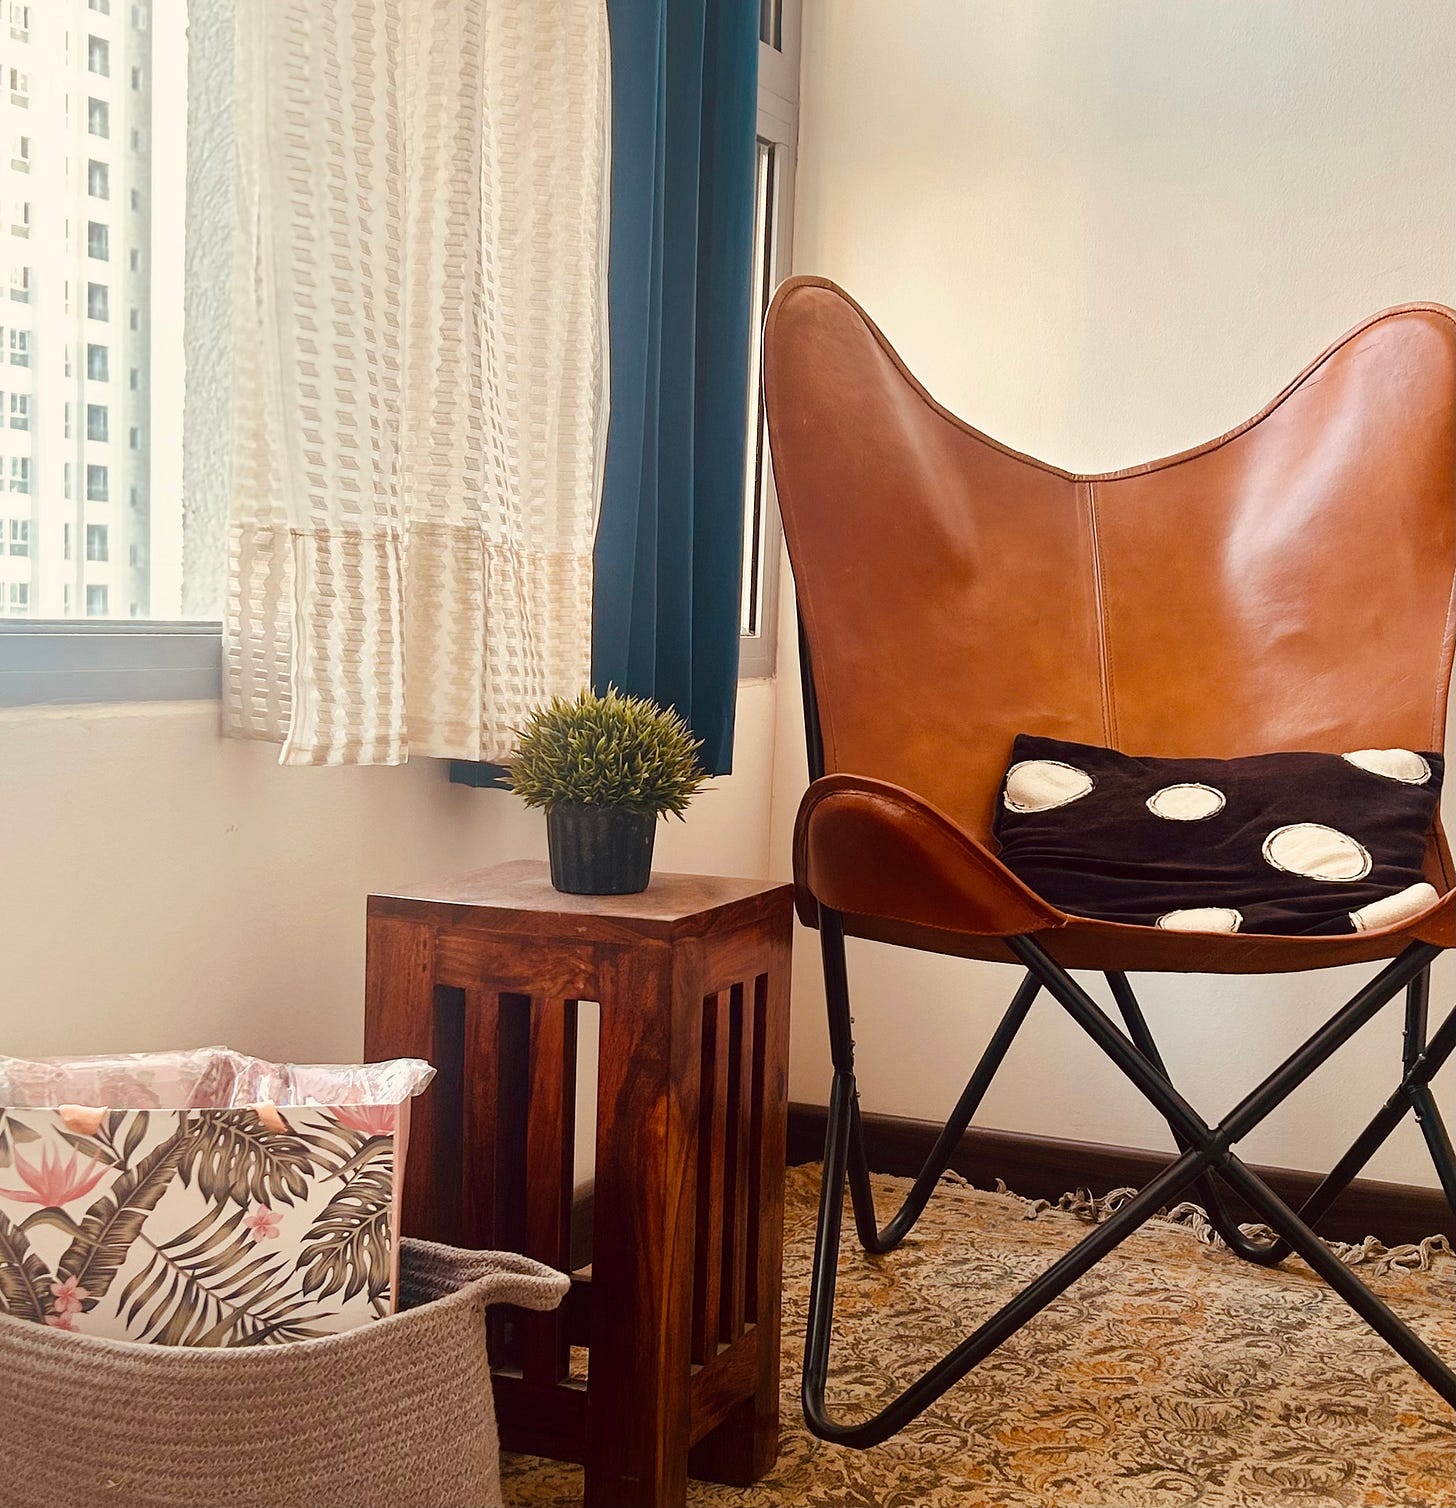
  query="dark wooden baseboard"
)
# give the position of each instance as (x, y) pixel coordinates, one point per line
(1042, 1167)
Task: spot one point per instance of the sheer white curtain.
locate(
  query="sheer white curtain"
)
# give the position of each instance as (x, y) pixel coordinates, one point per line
(415, 410)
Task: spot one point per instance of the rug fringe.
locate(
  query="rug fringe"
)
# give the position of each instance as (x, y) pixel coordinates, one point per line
(1414, 1256)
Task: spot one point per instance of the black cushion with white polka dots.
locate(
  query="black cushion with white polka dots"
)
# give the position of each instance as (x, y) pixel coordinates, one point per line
(1294, 844)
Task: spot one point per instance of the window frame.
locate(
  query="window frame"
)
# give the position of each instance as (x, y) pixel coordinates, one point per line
(778, 128)
(58, 661)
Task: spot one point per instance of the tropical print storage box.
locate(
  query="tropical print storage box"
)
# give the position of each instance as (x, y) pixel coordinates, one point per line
(201, 1198)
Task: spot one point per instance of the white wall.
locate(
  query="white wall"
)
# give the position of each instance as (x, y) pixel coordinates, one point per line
(1105, 230)
(162, 887)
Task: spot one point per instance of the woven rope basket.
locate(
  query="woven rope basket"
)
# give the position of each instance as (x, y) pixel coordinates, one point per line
(396, 1414)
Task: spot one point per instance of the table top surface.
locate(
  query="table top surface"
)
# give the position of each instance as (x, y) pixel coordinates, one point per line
(524, 885)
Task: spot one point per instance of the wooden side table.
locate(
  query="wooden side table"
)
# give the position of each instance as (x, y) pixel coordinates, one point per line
(680, 1307)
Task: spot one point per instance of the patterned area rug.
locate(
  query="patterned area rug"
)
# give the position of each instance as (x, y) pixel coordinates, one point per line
(1172, 1374)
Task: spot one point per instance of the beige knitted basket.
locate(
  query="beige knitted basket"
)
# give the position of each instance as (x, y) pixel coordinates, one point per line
(395, 1414)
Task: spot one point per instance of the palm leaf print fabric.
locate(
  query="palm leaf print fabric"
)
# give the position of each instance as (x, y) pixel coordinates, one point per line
(212, 1227)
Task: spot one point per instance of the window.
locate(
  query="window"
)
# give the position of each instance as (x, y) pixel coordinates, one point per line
(20, 225)
(20, 536)
(778, 131)
(20, 154)
(20, 284)
(19, 596)
(20, 22)
(72, 148)
(20, 410)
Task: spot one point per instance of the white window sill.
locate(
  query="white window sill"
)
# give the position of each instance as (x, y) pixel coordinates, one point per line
(50, 662)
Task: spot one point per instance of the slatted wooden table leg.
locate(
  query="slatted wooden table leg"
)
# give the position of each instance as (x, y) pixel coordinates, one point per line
(681, 1309)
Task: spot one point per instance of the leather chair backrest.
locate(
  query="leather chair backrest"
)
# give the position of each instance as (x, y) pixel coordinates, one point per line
(1287, 586)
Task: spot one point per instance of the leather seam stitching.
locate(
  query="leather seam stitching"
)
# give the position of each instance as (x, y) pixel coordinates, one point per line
(1104, 627)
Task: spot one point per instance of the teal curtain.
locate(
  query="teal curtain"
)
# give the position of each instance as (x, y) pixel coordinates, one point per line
(670, 540)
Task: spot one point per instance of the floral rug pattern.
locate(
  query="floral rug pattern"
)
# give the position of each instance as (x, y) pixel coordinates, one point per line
(1173, 1374)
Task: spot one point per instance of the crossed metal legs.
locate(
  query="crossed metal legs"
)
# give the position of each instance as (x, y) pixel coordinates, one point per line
(1204, 1151)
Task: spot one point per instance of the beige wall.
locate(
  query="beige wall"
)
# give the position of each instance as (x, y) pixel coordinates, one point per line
(1103, 231)
(162, 887)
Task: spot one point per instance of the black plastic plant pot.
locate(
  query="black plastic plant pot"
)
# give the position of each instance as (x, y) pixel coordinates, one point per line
(600, 850)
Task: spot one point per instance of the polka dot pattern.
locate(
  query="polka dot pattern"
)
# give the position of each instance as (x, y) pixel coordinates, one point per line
(1188, 802)
(1317, 852)
(1393, 764)
(1296, 844)
(1202, 919)
(1038, 785)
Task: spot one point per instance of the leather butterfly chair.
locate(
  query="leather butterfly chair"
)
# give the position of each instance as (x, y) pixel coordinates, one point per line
(1287, 586)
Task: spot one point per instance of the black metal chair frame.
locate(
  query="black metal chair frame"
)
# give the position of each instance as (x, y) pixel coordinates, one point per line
(1205, 1155)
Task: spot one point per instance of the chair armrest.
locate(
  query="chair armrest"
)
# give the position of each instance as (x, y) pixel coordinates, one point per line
(869, 848)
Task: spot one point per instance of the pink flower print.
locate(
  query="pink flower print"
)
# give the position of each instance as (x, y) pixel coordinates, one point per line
(263, 1222)
(61, 1321)
(55, 1182)
(369, 1120)
(69, 1297)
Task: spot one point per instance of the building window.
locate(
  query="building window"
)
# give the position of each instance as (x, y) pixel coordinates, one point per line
(98, 364)
(19, 88)
(20, 348)
(20, 536)
(20, 226)
(138, 554)
(139, 17)
(97, 601)
(66, 542)
(98, 422)
(136, 140)
(98, 179)
(136, 78)
(98, 117)
(20, 473)
(19, 596)
(134, 437)
(134, 260)
(98, 301)
(101, 6)
(134, 319)
(20, 154)
(68, 480)
(20, 22)
(98, 542)
(134, 379)
(20, 284)
(98, 484)
(98, 241)
(20, 410)
(136, 198)
(98, 56)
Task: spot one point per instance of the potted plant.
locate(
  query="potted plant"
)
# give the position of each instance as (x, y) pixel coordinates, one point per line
(605, 768)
